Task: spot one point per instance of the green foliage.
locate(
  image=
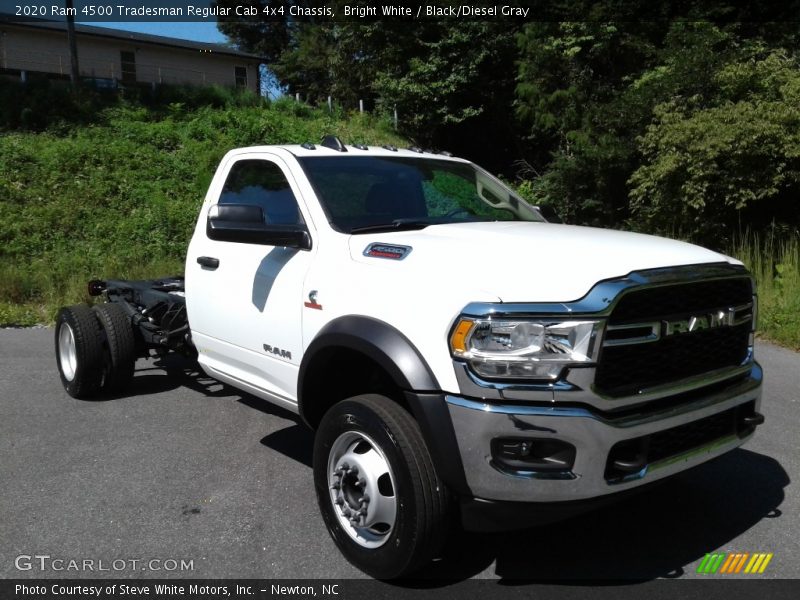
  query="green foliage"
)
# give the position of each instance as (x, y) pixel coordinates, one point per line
(677, 119)
(664, 126)
(438, 74)
(775, 262)
(655, 116)
(444, 78)
(119, 198)
(307, 67)
(43, 104)
(268, 36)
(711, 166)
(571, 99)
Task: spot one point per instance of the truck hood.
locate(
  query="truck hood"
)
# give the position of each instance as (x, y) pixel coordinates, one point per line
(524, 261)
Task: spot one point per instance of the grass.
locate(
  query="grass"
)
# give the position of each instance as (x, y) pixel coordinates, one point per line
(118, 198)
(115, 194)
(775, 263)
(32, 294)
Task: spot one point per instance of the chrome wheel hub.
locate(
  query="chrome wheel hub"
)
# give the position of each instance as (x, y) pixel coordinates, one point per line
(67, 355)
(362, 489)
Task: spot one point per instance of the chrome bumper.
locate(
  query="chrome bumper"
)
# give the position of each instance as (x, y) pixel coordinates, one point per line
(593, 434)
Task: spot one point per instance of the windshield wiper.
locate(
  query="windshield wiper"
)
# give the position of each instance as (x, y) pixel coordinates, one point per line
(396, 225)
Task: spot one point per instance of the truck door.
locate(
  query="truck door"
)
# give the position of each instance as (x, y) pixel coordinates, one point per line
(245, 302)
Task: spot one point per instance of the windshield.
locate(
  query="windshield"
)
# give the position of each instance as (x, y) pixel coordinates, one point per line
(369, 193)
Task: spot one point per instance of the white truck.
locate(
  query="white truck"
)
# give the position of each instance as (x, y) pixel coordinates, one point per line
(460, 358)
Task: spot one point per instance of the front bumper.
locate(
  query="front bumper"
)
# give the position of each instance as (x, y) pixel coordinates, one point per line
(594, 435)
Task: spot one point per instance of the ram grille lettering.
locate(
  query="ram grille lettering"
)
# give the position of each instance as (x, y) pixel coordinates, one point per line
(720, 318)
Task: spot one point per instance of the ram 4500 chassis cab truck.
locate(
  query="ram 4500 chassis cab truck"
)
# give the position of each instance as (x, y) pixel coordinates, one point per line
(458, 356)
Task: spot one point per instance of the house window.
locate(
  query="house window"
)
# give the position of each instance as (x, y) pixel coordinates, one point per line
(241, 76)
(128, 60)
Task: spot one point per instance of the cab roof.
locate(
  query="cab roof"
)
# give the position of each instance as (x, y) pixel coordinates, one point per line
(353, 150)
(333, 146)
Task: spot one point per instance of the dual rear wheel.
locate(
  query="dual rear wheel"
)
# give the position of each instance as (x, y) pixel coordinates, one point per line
(95, 349)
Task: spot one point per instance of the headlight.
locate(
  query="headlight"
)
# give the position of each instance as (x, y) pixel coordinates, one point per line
(524, 348)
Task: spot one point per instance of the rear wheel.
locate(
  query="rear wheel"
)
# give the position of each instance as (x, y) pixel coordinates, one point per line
(79, 351)
(120, 346)
(377, 488)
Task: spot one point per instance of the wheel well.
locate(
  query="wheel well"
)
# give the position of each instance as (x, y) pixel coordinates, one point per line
(337, 373)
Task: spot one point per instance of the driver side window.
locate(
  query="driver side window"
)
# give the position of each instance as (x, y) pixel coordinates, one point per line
(262, 183)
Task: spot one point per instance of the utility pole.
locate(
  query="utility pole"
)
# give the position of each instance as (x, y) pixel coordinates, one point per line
(74, 74)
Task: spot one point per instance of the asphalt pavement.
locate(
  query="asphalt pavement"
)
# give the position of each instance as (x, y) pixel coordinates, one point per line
(182, 470)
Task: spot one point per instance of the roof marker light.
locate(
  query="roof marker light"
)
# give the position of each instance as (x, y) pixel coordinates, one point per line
(333, 142)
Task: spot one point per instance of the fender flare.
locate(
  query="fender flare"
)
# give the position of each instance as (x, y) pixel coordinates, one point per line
(405, 365)
(378, 340)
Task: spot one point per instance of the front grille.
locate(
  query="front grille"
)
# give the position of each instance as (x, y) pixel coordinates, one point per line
(625, 370)
(654, 448)
(675, 441)
(682, 299)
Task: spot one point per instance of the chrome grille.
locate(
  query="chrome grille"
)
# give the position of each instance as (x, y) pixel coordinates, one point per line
(648, 358)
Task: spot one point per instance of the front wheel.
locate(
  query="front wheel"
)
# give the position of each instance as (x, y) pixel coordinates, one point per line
(377, 488)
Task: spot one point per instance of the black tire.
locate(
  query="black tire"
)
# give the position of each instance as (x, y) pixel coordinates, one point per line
(420, 527)
(79, 351)
(119, 344)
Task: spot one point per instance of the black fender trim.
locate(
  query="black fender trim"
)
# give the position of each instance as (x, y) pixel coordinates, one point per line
(379, 341)
(404, 364)
(433, 416)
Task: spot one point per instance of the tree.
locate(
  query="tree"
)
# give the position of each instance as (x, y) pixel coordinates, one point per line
(621, 114)
(605, 104)
(730, 160)
(315, 57)
(577, 121)
(266, 36)
(443, 74)
(439, 74)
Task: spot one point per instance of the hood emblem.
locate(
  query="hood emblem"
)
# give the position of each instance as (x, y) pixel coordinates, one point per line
(390, 251)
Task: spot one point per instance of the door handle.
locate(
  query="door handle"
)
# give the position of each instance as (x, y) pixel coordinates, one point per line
(208, 261)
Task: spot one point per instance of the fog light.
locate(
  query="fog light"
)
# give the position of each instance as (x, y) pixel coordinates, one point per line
(531, 454)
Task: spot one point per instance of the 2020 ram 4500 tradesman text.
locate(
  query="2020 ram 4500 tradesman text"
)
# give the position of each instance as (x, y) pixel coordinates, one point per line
(458, 356)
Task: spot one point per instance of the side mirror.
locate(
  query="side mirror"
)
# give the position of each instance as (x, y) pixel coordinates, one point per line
(244, 223)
